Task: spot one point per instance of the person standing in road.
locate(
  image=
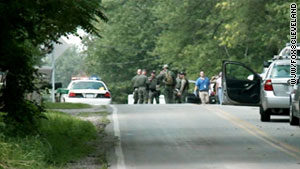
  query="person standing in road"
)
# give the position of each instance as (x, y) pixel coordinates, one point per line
(153, 88)
(142, 82)
(135, 86)
(202, 84)
(184, 86)
(219, 91)
(168, 79)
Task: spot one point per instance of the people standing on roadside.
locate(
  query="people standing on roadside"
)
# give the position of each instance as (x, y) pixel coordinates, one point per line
(168, 80)
(202, 84)
(153, 88)
(184, 86)
(135, 86)
(219, 91)
(142, 82)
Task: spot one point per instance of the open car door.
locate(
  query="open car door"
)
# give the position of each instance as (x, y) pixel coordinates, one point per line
(241, 85)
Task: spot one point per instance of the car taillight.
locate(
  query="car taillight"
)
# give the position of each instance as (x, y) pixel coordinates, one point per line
(71, 94)
(107, 95)
(268, 85)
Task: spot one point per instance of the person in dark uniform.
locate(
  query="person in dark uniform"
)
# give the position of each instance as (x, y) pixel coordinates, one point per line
(184, 86)
(135, 86)
(142, 82)
(153, 88)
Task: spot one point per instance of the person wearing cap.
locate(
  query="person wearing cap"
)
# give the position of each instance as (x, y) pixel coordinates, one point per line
(202, 84)
(154, 91)
(184, 86)
(135, 86)
(168, 80)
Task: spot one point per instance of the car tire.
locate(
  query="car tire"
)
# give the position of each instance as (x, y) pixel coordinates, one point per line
(293, 120)
(264, 115)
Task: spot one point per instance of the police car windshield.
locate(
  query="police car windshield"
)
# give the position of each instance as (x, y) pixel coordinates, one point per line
(282, 71)
(88, 85)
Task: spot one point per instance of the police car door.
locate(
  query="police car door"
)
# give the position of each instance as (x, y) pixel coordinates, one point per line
(240, 84)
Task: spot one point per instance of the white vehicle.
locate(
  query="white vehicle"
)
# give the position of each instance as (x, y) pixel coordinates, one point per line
(286, 51)
(94, 92)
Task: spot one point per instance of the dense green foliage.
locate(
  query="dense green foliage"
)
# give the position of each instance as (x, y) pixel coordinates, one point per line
(63, 138)
(28, 30)
(189, 35)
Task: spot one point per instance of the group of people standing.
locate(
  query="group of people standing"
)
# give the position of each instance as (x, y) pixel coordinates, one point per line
(174, 89)
(148, 89)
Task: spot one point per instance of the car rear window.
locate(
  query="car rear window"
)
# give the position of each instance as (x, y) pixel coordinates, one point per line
(282, 71)
(88, 85)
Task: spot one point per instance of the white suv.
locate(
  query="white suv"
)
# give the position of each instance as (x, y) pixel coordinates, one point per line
(270, 93)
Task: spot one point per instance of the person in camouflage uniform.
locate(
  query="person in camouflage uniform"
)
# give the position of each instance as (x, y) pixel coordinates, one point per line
(135, 86)
(168, 80)
(142, 82)
(184, 86)
(153, 88)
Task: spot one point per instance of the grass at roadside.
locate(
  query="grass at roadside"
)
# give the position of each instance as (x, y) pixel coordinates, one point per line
(50, 105)
(63, 138)
(87, 114)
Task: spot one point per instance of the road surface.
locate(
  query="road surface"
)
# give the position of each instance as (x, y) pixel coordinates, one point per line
(191, 136)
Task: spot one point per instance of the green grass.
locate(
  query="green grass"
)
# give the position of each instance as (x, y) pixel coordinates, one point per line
(67, 136)
(50, 105)
(86, 114)
(63, 138)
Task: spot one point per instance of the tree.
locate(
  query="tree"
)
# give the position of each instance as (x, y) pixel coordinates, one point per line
(189, 35)
(127, 43)
(27, 32)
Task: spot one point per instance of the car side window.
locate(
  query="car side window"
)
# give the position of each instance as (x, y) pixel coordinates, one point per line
(238, 72)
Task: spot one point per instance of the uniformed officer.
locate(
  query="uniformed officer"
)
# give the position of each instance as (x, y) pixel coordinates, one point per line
(135, 86)
(184, 86)
(142, 82)
(154, 91)
(168, 80)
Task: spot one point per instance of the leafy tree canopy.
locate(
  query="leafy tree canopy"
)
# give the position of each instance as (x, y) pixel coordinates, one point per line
(189, 35)
(28, 30)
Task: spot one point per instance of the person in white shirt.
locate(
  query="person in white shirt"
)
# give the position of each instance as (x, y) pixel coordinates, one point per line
(219, 88)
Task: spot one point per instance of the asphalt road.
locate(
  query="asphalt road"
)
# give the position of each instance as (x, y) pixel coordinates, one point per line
(202, 137)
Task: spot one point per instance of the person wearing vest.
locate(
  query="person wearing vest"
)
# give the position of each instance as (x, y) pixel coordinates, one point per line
(168, 80)
(184, 86)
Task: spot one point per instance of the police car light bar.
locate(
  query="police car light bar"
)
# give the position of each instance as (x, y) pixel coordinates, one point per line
(80, 78)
